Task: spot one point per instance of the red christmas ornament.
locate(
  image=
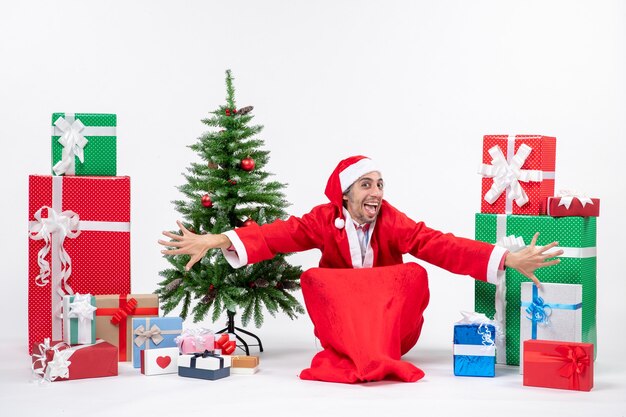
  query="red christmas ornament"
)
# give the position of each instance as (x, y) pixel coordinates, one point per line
(235, 111)
(232, 182)
(247, 164)
(227, 111)
(248, 222)
(206, 201)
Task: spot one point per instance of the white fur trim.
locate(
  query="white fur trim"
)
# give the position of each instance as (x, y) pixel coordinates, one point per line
(356, 171)
(494, 264)
(339, 223)
(238, 257)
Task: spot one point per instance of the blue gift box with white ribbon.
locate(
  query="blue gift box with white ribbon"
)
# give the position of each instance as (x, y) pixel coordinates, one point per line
(153, 333)
(474, 350)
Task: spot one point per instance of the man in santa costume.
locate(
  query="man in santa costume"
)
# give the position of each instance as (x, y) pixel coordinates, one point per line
(359, 229)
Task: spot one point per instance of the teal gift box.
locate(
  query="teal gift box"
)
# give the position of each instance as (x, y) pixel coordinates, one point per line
(84, 144)
(154, 332)
(79, 319)
(576, 236)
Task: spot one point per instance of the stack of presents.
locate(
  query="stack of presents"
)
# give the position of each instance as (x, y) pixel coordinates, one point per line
(82, 317)
(550, 331)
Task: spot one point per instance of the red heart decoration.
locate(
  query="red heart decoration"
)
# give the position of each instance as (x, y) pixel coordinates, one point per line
(163, 361)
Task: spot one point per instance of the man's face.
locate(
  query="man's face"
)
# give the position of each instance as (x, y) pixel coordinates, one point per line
(364, 198)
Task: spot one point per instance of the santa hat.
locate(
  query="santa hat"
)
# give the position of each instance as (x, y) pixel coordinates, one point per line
(347, 172)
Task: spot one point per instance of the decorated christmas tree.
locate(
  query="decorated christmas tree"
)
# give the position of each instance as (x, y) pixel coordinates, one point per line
(230, 189)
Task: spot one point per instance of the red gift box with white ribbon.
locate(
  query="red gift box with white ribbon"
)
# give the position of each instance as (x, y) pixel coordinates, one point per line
(79, 242)
(568, 203)
(518, 173)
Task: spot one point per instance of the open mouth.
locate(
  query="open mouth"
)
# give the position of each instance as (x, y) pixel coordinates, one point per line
(371, 208)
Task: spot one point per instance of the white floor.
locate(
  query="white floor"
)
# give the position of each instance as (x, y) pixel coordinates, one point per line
(276, 391)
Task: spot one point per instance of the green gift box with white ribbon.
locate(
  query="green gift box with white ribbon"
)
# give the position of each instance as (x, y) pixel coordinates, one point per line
(84, 144)
(502, 302)
(79, 319)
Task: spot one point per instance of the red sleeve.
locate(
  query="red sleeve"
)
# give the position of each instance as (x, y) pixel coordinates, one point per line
(282, 236)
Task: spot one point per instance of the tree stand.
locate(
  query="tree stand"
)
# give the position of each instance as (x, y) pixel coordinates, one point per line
(230, 328)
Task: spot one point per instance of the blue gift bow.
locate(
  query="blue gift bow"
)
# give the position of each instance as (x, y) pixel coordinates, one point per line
(536, 310)
(205, 354)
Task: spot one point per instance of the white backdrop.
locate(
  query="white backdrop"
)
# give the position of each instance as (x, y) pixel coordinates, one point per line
(414, 85)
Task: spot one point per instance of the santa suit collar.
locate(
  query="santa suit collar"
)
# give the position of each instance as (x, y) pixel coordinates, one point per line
(355, 247)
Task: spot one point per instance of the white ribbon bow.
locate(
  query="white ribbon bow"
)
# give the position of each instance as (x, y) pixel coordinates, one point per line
(65, 224)
(81, 308)
(142, 335)
(471, 317)
(58, 367)
(567, 196)
(73, 143)
(508, 175)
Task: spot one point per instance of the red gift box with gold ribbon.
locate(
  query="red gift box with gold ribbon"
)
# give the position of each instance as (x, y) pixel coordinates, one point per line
(79, 230)
(558, 364)
(518, 173)
(114, 314)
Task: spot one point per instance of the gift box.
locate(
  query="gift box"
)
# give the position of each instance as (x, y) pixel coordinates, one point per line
(558, 364)
(58, 361)
(205, 365)
(572, 206)
(474, 350)
(518, 173)
(79, 321)
(195, 341)
(114, 318)
(159, 361)
(243, 364)
(226, 343)
(79, 242)
(576, 236)
(552, 312)
(154, 332)
(84, 144)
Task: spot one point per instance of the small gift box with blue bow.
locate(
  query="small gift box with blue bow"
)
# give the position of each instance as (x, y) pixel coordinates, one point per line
(154, 332)
(552, 312)
(474, 346)
(207, 365)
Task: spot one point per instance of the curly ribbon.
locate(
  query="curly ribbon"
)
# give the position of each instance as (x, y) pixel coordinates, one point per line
(567, 196)
(195, 340)
(144, 336)
(574, 358)
(226, 343)
(65, 224)
(538, 311)
(123, 312)
(59, 366)
(73, 142)
(78, 319)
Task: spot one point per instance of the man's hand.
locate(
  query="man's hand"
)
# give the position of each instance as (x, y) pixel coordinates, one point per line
(531, 258)
(189, 243)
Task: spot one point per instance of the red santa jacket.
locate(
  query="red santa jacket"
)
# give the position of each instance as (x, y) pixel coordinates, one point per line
(392, 235)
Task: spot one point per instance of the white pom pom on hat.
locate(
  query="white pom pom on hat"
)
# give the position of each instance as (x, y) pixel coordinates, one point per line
(345, 174)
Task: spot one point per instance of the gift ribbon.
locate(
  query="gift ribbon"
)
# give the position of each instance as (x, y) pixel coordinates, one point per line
(80, 317)
(205, 354)
(538, 312)
(226, 343)
(73, 143)
(568, 196)
(195, 340)
(574, 358)
(507, 174)
(53, 232)
(124, 311)
(144, 336)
